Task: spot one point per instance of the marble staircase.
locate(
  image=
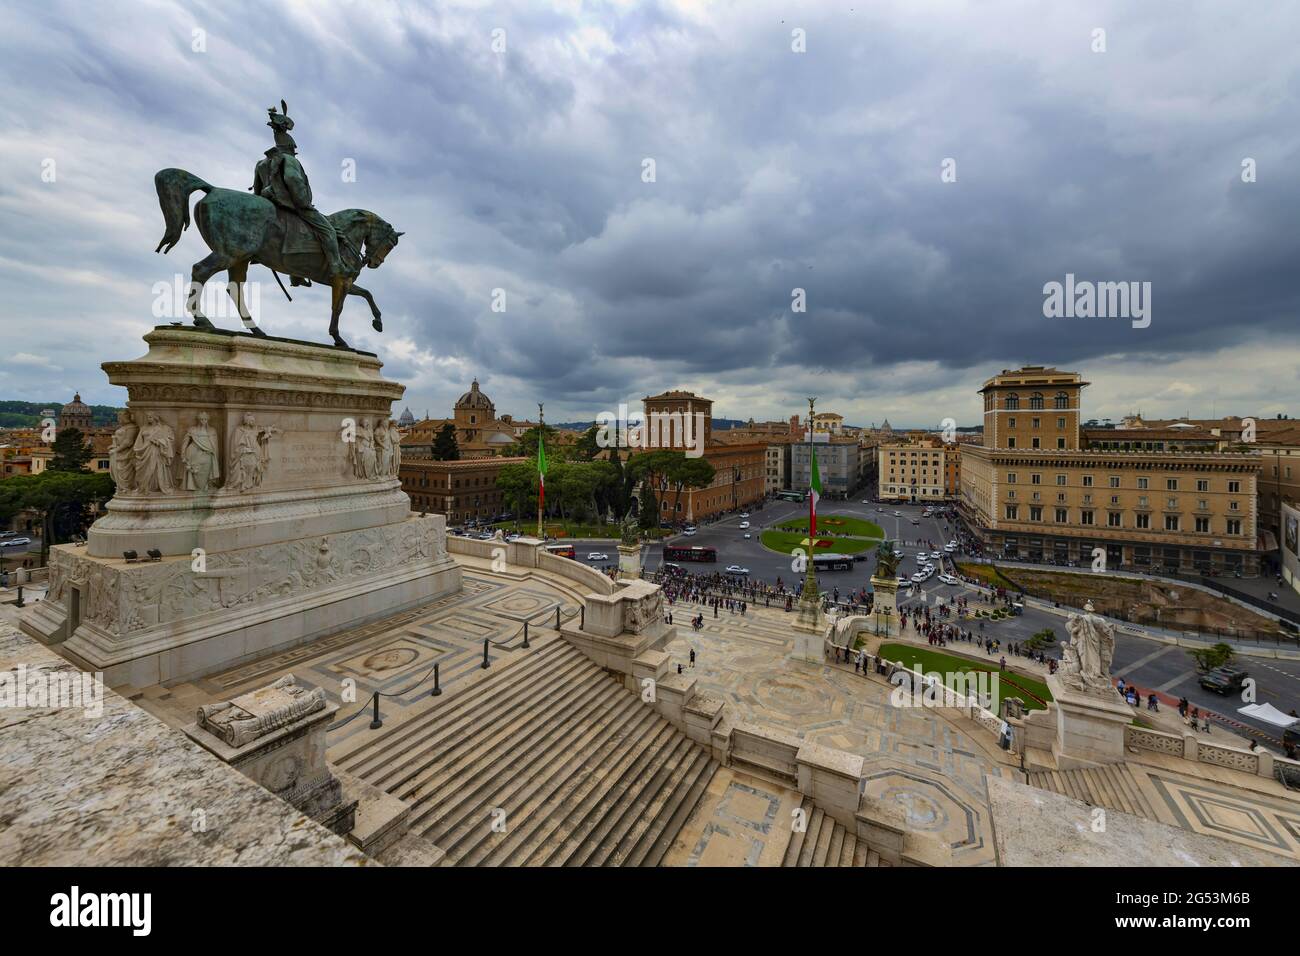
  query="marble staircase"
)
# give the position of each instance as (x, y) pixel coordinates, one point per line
(1112, 786)
(827, 842)
(545, 760)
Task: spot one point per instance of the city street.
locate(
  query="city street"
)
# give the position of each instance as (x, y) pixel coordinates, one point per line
(1149, 664)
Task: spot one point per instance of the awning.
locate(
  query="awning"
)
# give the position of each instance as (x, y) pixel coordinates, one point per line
(1269, 714)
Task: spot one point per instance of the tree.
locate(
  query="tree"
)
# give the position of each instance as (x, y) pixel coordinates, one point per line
(689, 473)
(1210, 658)
(518, 484)
(61, 498)
(586, 447)
(70, 451)
(445, 447)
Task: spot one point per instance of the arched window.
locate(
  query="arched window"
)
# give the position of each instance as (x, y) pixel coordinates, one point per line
(1013, 400)
(1036, 400)
(1062, 400)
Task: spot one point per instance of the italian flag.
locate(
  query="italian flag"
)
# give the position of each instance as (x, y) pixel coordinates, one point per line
(814, 493)
(541, 476)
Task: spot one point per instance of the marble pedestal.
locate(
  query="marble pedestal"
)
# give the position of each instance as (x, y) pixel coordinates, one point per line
(884, 604)
(629, 562)
(284, 748)
(1089, 727)
(263, 472)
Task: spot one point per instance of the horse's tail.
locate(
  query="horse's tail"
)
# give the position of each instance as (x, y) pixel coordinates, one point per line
(174, 187)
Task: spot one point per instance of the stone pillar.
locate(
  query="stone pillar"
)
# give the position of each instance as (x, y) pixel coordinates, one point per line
(1089, 727)
(884, 605)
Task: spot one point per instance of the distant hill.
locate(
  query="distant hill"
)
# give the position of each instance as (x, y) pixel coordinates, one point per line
(28, 414)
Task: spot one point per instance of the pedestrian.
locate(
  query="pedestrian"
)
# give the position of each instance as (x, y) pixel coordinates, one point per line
(692, 657)
(1205, 722)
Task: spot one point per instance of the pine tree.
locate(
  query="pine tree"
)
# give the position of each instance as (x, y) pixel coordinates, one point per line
(445, 447)
(70, 451)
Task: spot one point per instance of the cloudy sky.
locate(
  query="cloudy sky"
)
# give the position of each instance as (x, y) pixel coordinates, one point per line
(774, 170)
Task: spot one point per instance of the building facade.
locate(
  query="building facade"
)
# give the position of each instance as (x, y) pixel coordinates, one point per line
(838, 465)
(922, 470)
(461, 490)
(1044, 490)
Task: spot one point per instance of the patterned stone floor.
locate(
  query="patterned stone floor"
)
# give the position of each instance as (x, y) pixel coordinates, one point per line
(913, 757)
(393, 655)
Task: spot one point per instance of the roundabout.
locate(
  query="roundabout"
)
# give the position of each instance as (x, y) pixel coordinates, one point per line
(846, 534)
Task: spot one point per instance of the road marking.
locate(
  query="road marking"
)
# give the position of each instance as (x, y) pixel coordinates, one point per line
(1177, 680)
(1142, 661)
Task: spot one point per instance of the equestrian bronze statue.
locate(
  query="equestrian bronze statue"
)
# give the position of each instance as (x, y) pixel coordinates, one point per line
(276, 226)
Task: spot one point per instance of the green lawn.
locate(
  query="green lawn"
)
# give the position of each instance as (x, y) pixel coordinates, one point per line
(1009, 684)
(785, 542)
(836, 524)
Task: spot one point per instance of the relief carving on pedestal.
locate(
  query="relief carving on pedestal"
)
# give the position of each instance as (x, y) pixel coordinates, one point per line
(121, 463)
(249, 454)
(152, 456)
(200, 461)
(638, 614)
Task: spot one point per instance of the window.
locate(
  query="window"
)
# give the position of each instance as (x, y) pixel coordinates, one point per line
(1202, 525)
(1171, 522)
(1087, 481)
(1234, 487)
(1062, 515)
(1060, 424)
(1234, 505)
(1171, 484)
(1144, 483)
(1062, 400)
(1143, 520)
(1060, 443)
(1085, 516)
(1013, 400)
(1234, 526)
(1011, 422)
(1114, 481)
(1012, 511)
(1038, 443)
(1202, 484)
(1035, 514)
(1115, 519)
(1060, 479)
(1036, 401)
(1011, 477)
(1035, 479)
(1035, 422)
(1011, 443)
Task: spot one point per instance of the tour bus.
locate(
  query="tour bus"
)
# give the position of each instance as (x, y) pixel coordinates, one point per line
(832, 562)
(563, 550)
(790, 495)
(677, 553)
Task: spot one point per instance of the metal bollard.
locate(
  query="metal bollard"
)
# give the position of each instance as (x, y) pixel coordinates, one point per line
(375, 722)
(557, 617)
(437, 690)
(486, 665)
(525, 635)
(19, 602)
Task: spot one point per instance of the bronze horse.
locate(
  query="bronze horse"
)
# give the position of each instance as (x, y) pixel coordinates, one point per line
(243, 229)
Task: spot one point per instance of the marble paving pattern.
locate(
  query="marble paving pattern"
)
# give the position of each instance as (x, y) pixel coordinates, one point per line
(913, 757)
(394, 654)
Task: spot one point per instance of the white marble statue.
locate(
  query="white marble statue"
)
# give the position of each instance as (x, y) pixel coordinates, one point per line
(395, 445)
(383, 454)
(1086, 659)
(152, 455)
(363, 450)
(199, 456)
(249, 454)
(121, 461)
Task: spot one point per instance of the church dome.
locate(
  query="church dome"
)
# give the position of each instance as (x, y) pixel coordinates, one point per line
(407, 419)
(76, 406)
(474, 398)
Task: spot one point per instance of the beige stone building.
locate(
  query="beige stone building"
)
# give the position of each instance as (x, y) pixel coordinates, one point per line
(1042, 488)
(461, 490)
(480, 432)
(920, 470)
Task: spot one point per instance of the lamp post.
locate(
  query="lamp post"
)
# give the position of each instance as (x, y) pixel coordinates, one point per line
(810, 592)
(541, 420)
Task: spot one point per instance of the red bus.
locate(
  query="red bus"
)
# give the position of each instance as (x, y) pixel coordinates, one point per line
(672, 553)
(563, 550)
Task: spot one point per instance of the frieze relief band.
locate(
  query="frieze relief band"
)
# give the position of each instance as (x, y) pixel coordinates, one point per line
(122, 600)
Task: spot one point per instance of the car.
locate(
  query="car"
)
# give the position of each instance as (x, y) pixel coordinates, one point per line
(866, 502)
(748, 535)
(935, 555)
(513, 536)
(1223, 680)
(899, 555)
(688, 532)
(948, 579)
(736, 569)
(485, 536)
(744, 525)
(597, 556)
(903, 581)
(918, 578)
(744, 514)
(898, 514)
(15, 542)
(916, 521)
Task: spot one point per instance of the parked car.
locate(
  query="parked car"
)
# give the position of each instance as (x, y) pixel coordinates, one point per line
(736, 569)
(688, 532)
(15, 542)
(597, 556)
(744, 514)
(1223, 680)
(898, 514)
(948, 579)
(935, 555)
(744, 525)
(748, 535)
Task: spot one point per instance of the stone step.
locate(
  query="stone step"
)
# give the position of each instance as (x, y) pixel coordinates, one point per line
(1110, 786)
(568, 801)
(808, 853)
(529, 779)
(650, 812)
(797, 837)
(482, 769)
(652, 850)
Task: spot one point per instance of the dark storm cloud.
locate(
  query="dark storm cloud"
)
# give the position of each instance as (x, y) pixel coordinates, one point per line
(775, 171)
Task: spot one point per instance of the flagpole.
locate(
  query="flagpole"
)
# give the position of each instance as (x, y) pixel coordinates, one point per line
(541, 477)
